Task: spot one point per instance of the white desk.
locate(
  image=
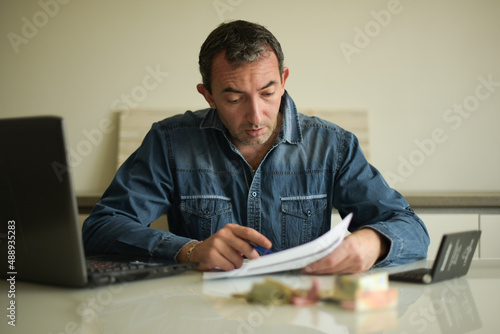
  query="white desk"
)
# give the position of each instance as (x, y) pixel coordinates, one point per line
(187, 304)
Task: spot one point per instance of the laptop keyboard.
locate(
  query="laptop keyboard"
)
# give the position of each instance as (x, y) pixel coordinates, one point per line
(105, 271)
(419, 272)
(96, 266)
(420, 275)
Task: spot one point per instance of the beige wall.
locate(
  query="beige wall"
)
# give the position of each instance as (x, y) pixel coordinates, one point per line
(411, 64)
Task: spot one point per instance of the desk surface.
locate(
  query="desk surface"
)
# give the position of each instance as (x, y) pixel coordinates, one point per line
(187, 304)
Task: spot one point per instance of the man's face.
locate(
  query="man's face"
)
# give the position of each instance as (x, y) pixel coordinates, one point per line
(247, 98)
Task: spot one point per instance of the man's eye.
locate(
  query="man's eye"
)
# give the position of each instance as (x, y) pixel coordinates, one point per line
(233, 101)
(269, 94)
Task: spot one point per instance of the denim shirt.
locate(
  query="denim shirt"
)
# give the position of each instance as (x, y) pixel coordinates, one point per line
(188, 168)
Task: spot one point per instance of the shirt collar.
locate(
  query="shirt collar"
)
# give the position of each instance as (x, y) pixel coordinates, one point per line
(212, 121)
(290, 126)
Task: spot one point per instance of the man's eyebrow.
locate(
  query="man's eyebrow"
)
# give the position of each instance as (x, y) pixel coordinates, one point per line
(234, 90)
(269, 84)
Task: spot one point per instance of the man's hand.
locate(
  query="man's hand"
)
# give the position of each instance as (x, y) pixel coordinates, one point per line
(358, 252)
(226, 248)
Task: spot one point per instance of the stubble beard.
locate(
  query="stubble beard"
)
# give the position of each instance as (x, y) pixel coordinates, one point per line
(259, 140)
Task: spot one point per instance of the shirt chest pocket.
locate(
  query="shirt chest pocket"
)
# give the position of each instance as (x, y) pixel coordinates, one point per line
(205, 215)
(303, 219)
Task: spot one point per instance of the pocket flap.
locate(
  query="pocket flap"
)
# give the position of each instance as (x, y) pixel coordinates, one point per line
(206, 206)
(303, 206)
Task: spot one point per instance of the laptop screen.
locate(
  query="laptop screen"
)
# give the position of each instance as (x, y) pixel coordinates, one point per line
(455, 255)
(39, 202)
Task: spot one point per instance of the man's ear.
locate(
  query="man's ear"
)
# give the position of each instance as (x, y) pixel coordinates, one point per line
(206, 94)
(284, 76)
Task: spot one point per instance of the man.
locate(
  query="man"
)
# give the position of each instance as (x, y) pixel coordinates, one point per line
(251, 170)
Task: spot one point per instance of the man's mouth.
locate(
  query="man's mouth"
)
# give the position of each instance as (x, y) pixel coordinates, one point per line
(255, 132)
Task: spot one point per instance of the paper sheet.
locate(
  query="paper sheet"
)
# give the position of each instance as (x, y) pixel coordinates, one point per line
(292, 258)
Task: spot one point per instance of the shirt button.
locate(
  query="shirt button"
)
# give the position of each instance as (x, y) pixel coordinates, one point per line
(254, 194)
(309, 213)
(206, 211)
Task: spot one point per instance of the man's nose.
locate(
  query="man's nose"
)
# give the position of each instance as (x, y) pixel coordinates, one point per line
(255, 112)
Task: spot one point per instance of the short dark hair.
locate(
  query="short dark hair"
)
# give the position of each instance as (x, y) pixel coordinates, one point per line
(243, 42)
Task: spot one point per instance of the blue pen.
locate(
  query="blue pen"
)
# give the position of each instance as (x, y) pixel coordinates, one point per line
(261, 250)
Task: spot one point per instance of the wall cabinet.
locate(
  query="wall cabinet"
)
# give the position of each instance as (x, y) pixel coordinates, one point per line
(490, 243)
(439, 222)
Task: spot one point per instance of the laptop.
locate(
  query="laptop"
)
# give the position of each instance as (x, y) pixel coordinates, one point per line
(40, 234)
(453, 260)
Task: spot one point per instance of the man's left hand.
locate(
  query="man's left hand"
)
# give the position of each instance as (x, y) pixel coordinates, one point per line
(358, 252)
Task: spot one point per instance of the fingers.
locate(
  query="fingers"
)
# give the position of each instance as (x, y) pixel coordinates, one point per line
(236, 240)
(337, 262)
(240, 239)
(250, 235)
(330, 265)
(227, 248)
(358, 252)
(214, 253)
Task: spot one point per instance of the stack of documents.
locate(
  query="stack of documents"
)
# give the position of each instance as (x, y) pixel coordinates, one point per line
(292, 258)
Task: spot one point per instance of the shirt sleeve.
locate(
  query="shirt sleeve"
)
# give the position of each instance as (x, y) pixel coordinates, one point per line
(361, 189)
(138, 195)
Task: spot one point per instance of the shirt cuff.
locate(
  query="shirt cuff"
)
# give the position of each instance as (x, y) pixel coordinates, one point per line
(170, 246)
(394, 244)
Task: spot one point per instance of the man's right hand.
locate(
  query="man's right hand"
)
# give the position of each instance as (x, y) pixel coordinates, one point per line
(225, 249)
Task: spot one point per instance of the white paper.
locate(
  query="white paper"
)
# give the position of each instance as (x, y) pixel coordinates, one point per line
(292, 258)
